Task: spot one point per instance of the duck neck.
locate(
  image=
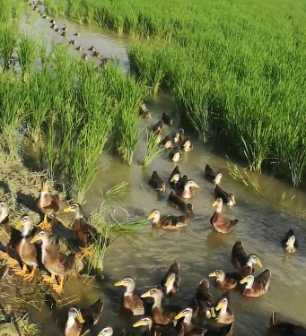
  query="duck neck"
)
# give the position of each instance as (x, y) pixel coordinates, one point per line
(223, 310)
(70, 323)
(78, 213)
(219, 208)
(221, 277)
(249, 283)
(187, 321)
(26, 230)
(157, 301)
(156, 219)
(3, 215)
(129, 289)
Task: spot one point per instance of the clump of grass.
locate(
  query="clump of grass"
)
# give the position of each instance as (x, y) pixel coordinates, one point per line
(27, 328)
(27, 53)
(117, 191)
(153, 149)
(8, 42)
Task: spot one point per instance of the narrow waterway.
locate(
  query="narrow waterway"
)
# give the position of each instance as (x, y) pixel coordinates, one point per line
(146, 256)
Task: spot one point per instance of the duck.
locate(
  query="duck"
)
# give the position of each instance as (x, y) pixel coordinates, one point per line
(289, 243)
(286, 328)
(169, 222)
(72, 42)
(159, 314)
(144, 112)
(63, 34)
(54, 261)
(107, 331)
(189, 329)
(96, 54)
(148, 323)
(26, 250)
(81, 320)
(226, 281)
(171, 282)
(167, 120)
(179, 136)
(228, 199)
(242, 261)
(50, 205)
(79, 48)
(157, 182)
(85, 233)
(64, 29)
(211, 175)
(157, 128)
(52, 21)
(131, 301)
(92, 48)
(180, 184)
(153, 330)
(188, 189)
(53, 26)
(220, 223)
(85, 57)
(187, 145)
(176, 154)
(45, 17)
(175, 176)
(204, 299)
(166, 142)
(256, 286)
(76, 34)
(225, 314)
(178, 203)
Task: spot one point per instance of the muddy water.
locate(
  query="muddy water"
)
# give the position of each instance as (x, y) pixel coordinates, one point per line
(147, 255)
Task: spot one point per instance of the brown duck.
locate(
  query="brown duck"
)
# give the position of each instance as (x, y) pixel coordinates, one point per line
(226, 281)
(167, 119)
(211, 175)
(256, 286)
(50, 205)
(178, 203)
(171, 282)
(169, 222)
(130, 300)
(224, 312)
(157, 182)
(219, 222)
(286, 328)
(144, 112)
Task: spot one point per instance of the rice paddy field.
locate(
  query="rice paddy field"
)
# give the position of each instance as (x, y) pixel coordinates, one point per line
(234, 69)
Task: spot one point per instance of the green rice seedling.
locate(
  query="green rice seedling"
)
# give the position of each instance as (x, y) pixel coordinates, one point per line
(27, 54)
(6, 11)
(153, 149)
(116, 191)
(56, 8)
(8, 42)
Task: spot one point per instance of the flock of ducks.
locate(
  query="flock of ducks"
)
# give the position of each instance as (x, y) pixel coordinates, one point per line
(63, 32)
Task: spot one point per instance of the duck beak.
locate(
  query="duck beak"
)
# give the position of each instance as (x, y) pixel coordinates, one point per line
(45, 188)
(145, 295)
(243, 281)
(150, 216)
(138, 324)
(118, 283)
(212, 312)
(214, 204)
(179, 315)
(219, 306)
(196, 186)
(68, 209)
(212, 274)
(80, 318)
(233, 200)
(34, 239)
(259, 263)
(19, 225)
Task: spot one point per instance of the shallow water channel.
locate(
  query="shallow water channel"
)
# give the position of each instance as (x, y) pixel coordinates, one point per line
(147, 255)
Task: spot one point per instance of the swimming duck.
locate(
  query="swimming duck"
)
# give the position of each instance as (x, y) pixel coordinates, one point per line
(157, 128)
(144, 112)
(52, 21)
(79, 48)
(76, 34)
(169, 222)
(147, 322)
(55, 262)
(166, 142)
(157, 182)
(72, 42)
(204, 299)
(159, 314)
(228, 199)
(189, 329)
(256, 286)
(287, 328)
(167, 120)
(175, 177)
(226, 281)
(48, 204)
(171, 282)
(130, 300)
(187, 145)
(220, 223)
(45, 17)
(225, 314)
(81, 320)
(176, 154)
(188, 189)
(96, 54)
(63, 34)
(64, 29)
(53, 26)
(85, 57)
(244, 262)
(212, 176)
(85, 233)
(26, 250)
(178, 203)
(92, 48)
(107, 331)
(289, 243)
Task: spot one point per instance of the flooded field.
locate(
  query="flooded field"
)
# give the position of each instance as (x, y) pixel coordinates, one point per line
(146, 256)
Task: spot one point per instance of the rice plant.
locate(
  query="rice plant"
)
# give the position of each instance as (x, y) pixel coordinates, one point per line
(153, 149)
(27, 53)
(8, 42)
